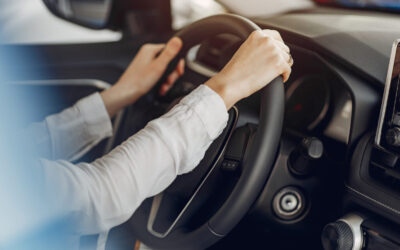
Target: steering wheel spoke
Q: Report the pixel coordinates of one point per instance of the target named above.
(216, 159)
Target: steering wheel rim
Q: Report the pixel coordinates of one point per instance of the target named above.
(262, 152)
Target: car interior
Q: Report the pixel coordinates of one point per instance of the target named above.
(309, 164)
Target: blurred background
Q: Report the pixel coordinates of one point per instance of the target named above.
(30, 22)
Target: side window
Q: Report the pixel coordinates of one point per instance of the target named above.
(185, 12)
(29, 22)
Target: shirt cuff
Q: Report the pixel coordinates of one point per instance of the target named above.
(210, 108)
(94, 112)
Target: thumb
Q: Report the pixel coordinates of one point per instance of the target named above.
(170, 51)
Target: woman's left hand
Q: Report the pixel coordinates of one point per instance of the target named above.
(143, 73)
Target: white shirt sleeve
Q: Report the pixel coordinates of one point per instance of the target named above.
(73, 132)
(106, 192)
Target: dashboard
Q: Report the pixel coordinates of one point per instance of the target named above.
(354, 48)
(333, 98)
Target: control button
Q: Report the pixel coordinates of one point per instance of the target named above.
(230, 165)
(313, 147)
(289, 203)
(304, 158)
(393, 136)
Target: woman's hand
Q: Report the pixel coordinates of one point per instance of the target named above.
(260, 59)
(143, 73)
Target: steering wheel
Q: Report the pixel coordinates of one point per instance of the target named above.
(256, 168)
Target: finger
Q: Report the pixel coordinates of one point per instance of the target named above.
(164, 89)
(286, 73)
(274, 34)
(291, 61)
(181, 67)
(172, 48)
(172, 78)
(286, 57)
(282, 46)
(166, 86)
(151, 49)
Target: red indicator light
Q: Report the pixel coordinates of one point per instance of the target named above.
(298, 107)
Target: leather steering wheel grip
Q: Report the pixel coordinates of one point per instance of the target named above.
(263, 149)
(205, 28)
(258, 164)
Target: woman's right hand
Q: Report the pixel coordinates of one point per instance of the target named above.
(259, 60)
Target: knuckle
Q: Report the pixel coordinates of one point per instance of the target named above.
(275, 54)
(255, 34)
(273, 33)
(145, 46)
(264, 41)
(280, 63)
(267, 40)
(276, 33)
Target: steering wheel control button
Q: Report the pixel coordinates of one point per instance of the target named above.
(230, 165)
(306, 156)
(289, 203)
(393, 136)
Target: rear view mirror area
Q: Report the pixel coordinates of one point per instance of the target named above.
(89, 13)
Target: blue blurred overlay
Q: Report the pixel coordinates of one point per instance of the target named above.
(26, 219)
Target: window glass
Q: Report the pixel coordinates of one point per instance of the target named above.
(29, 22)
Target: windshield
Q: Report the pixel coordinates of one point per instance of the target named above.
(393, 5)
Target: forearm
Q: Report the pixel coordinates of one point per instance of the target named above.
(145, 164)
(69, 134)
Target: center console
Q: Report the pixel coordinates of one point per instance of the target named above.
(373, 182)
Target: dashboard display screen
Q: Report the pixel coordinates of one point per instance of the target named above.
(388, 133)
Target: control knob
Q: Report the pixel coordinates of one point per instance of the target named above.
(304, 158)
(343, 234)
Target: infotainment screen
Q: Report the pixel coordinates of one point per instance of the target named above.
(388, 132)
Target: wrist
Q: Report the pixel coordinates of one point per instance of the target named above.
(127, 93)
(118, 97)
(222, 88)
